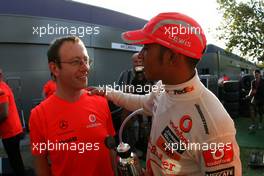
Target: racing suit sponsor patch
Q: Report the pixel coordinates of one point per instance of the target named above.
(171, 138)
(179, 133)
(186, 123)
(218, 156)
(168, 150)
(222, 172)
(202, 118)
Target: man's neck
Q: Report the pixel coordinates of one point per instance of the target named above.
(178, 79)
(68, 95)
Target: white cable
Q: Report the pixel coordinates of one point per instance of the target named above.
(138, 111)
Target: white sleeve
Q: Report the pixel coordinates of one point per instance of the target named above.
(222, 161)
(130, 101)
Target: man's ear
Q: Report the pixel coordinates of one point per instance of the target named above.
(54, 68)
(168, 57)
(177, 58)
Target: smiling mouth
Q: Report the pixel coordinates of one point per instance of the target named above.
(83, 78)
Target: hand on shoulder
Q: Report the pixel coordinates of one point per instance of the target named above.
(96, 91)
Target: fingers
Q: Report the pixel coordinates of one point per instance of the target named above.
(96, 91)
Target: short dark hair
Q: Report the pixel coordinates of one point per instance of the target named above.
(192, 62)
(53, 51)
(257, 71)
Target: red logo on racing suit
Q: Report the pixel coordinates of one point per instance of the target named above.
(162, 145)
(179, 133)
(161, 163)
(186, 123)
(218, 156)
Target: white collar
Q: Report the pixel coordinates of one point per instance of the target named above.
(187, 89)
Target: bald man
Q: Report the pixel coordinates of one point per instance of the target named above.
(127, 76)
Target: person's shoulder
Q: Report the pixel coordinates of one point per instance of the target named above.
(49, 83)
(48, 102)
(209, 99)
(5, 88)
(35, 114)
(212, 105)
(37, 117)
(96, 98)
(215, 114)
(38, 107)
(126, 72)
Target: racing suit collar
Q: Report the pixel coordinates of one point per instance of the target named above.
(189, 88)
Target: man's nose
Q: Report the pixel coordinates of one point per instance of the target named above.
(85, 66)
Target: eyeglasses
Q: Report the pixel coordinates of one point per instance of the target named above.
(78, 62)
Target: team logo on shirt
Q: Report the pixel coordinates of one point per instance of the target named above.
(92, 121)
(63, 124)
(92, 118)
(218, 156)
(186, 123)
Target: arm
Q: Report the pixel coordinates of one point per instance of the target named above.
(129, 101)
(3, 106)
(252, 91)
(220, 156)
(3, 111)
(37, 138)
(224, 160)
(42, 165)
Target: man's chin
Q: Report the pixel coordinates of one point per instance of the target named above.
(81, 86)
(83, 83)
(84, 86)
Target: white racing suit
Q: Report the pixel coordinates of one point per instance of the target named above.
(191, 133)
